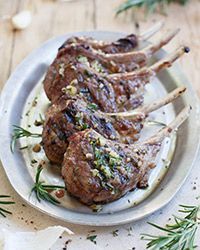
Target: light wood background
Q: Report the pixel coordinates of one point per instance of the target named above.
(54, 17)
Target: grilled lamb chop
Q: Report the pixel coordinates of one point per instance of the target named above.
(125, 44)
(98, 171)
(101, 62)
(112, 92)
(68, 117)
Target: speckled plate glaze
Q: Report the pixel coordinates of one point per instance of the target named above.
(173, 163)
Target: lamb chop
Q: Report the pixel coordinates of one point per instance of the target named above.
(112, 93)
(101, 62)
(97, 170)
(68, 117)
(125, 44)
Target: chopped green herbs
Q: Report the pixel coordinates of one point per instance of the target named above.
(19, 132)
(96, 208)
(92, 238)
(4, 201)
(115, 233)
(84, 60)
(42, 191)
(130, 230)
(34, 103)
(97, 66)
(179, 235)
(88, 73)
(22, 148)
(79, 121)
(92, 106)
(33, 161)
(105, 163)
(40, 121)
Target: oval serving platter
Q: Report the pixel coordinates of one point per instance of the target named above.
(175, 160)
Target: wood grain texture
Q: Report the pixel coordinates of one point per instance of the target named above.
(52, 18)
(7, 8)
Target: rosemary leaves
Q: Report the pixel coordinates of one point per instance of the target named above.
(4, 201)
(150, 5)
(179, 235)
(42, 191)
(19, 132)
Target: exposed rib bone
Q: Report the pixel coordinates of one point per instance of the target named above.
(152, 48)
(148, 108)
(168, 60)
(155, 68)
(151, 31)
(165, 132)
(99, 44)
(144, 54)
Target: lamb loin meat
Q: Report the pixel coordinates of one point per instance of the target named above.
(78, 116)
(75, 116)
(68, 117)
(125, 44)
(112, 92)
(98, 171)
(79, 79)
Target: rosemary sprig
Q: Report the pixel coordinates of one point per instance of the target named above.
(92, 238)
(179, 235)
(4, 211)
(42, 191)
(150, 5)
(19, 132)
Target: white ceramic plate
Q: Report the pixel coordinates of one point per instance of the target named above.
(16, 100)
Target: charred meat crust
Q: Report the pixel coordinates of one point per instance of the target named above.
(71, 116)
(125, 44)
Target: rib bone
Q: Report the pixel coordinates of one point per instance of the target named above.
(155, 68)
(167, 61)
(151, 31)
(146, 109)
(165, 132)
(124, 44)
(140, 57)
